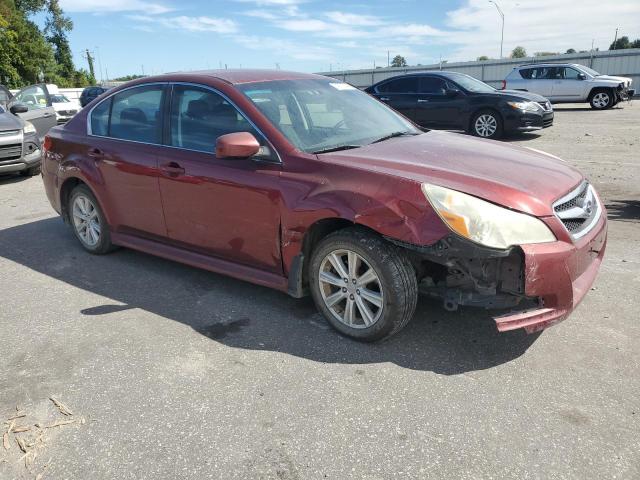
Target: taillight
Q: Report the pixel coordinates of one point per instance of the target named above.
(504, 84)
(46, 145)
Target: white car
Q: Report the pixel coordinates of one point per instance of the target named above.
(570, 82)
(65, 108)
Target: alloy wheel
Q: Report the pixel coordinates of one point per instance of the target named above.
(351, 289)
(601, 99)
(86, 220)
(486, 125)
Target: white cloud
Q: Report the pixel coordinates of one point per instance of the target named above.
(191, 24)
(543, 25)
(113, 6)
(296, 50)
(354, 19)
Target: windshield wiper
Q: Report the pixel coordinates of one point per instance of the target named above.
(336, 149)
(394, 135)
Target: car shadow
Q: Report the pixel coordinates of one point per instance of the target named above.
(520, 137)
(245, 316)
(6, 179)
(623, 210)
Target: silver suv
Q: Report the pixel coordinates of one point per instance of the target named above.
(19, 143)
(569, 82)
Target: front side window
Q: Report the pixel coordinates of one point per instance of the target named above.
(433, 85)
(400, 85)
(571, 73)
(136, 114)
(33, 97)
(318, 115)
(199, 116)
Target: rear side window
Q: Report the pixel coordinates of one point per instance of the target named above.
(100, 119)
(526, 73)
(136, 114)
(199, 116)
(400, 85)
(432, 85)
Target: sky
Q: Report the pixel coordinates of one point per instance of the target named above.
(157, 36)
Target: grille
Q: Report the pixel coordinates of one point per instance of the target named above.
(579, 210)
(10, 152)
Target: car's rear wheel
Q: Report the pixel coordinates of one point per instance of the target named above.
(364, 286)
(601, 99)
(88, 221)
(487, 124)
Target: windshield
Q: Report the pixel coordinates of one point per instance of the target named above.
(470, 84)
(588, 70)
(321, 115)
(59, 99)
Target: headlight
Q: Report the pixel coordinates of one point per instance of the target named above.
(28, 128)
(483, 222)
(527, 106)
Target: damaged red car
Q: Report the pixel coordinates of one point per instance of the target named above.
(307, 185)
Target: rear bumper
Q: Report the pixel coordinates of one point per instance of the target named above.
(559, 274)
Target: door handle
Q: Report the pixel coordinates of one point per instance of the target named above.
(384, 99)
(96, 153)
(172, 169)
(422, 100)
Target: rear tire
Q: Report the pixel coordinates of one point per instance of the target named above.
(31, 172)
(365, 287)
(88, 222)
(487, 124)
(601, 99)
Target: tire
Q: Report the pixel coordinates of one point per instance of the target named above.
(601, 99)
(31, 172)
(88, 214)
(486, 124)
(391, 291)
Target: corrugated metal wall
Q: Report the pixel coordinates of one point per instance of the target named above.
(616, 62)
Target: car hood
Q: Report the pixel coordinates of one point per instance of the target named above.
(9, 121)
(519, 94)
(519, 178)
(626, 80)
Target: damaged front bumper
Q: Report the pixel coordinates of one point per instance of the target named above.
(532, 286)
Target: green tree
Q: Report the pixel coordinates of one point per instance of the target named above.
(519, 52)
(482, 58)
(545, 54)
(398, 61)
(620, 44)
(56, 27)
(570, 50)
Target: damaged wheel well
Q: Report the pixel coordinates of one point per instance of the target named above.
(65, 191)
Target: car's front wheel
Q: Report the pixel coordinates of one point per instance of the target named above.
(487, 124)
(88, 221)
(601, 99)
(365, 287)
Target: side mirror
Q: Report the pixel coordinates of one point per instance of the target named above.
(237, 145)
(452, 93)
(18, 108)
(582, 76)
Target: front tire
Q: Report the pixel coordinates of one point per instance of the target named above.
(487, 124)
(365, 287)
(601, 99)
(88, 222)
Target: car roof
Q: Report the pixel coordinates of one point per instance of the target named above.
(237, 76)
(549, 64)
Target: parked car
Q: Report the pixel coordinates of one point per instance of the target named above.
(39, 112)
(5, 96)
(65, 108)
(570, 82)
(457, 101)
(306, 184)
(90, 93)
(19, 143)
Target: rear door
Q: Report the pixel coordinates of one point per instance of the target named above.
(124, 142)
(541, 80)
(40, 114)
(401, 94)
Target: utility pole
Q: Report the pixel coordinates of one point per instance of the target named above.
(99, 62)
(615, 39)
(502, 17)
(388, 59)
(90, 62)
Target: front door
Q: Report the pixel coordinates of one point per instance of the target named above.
(40, 114)
(569, 87)
(229, 208)
(434, 107)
